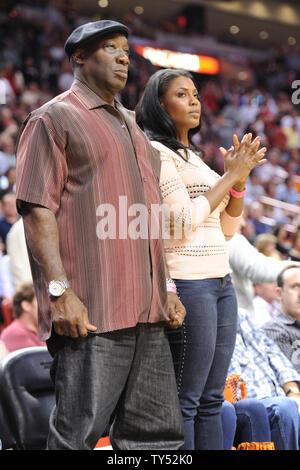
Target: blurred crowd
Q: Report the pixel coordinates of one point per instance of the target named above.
(34, 68)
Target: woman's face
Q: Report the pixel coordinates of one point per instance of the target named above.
(181, 103)
(297, 241)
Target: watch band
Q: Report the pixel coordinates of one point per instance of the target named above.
(64, 285)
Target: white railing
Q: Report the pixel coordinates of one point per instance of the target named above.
(291, 210)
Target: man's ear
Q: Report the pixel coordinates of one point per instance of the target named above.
(162, 104)
(278, 292)
(79, 56)
(25, 305)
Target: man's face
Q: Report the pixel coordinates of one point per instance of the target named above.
(105, 63)
(9, 205)
(289, 293)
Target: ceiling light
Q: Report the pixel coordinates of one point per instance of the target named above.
(139, 10)
(234, 29)
(103, 3)
(263, 35)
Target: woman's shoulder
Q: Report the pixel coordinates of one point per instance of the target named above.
(162, 147)
(167, 154)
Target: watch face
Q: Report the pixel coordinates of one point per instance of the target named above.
(55, 288)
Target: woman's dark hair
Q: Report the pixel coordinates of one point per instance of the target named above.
(152, 118)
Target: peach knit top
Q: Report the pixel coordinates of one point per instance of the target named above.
(195, 246)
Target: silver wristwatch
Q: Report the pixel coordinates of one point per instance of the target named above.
(57, 288)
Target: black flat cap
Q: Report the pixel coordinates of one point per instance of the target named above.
(89, 31)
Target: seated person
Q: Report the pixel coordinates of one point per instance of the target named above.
(10, 215)
(22, 332)
(284, 329)
(265, 303)
(269, 377)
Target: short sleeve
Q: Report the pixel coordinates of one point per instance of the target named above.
(41, 169)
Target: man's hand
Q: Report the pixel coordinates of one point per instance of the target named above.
(176, 310)
(70, 316)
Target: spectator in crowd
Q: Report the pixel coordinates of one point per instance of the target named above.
(10, 215)
(282, 243)
(272, 171)
(265, 243)
(275, 213)
(265, 302)
(61, 188)
(7, 288)
(255, 214)
(271, 378)
(8, 182)
(7, 154)
(248, 111)
(205, 209)
(9, 127)
(294, 252)
(286, 191)
(18, 257)
(284, 329)
(22, 332)
(254, 189)
(231, 114)
(250, 267)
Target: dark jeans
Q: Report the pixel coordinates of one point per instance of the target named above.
(273, 419)
(202, 350)
(128, 373)
(284, 421)
(245, 421)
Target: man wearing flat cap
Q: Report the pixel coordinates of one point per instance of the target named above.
(103, 300)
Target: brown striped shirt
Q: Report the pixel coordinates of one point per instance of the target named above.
(75, 154)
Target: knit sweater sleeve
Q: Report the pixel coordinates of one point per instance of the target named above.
(178, 206)
(229, 224)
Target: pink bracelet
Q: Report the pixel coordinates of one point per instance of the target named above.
(237, 194)
(171, 289)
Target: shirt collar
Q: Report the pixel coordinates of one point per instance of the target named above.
(90, 99)
(287, 319)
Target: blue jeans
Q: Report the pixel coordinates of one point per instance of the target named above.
(127, 374)
(284, 421)
(274, 419)
(202, 348)
(245, 421)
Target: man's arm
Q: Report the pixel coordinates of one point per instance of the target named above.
(291, 389)
(249, 263)
(70, 316)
